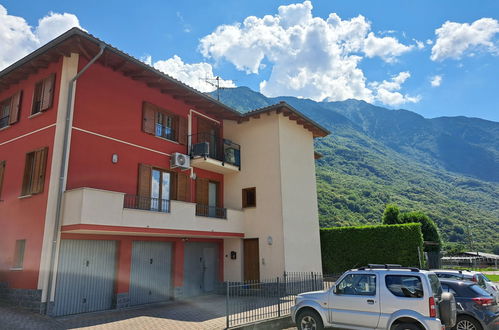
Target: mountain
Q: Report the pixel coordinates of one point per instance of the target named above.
(447, 167)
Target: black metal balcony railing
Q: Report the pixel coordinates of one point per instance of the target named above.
(209, 145)
(146, 203)
(165, 132)
(211, 211)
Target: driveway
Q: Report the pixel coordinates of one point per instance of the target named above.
(201, 313)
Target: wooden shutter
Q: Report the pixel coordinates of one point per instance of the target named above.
(148, 117)
(2, 171)
(15, 107)
(47, 96)
(144, 185)
(173, 185)
(183, 187)
(182, 130)
(38, 174)
(202, 191)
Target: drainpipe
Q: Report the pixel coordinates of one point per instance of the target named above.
(62, 173)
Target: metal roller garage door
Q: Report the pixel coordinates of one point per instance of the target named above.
(86, 273)
(200, 268)
(150, 279)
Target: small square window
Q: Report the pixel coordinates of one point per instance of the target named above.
(19, 254)
(249, 197)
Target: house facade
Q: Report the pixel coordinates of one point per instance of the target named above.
(121, 186)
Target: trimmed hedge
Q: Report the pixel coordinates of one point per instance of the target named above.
(349, 247)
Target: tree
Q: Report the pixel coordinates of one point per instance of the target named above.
(428, 227)
(391, 215)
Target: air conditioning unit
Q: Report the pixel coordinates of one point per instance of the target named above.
(200, 149)
(180, 160)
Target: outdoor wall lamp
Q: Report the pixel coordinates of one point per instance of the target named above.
(114, 158)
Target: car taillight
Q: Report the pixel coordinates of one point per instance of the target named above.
(484, 301)
(433, 307)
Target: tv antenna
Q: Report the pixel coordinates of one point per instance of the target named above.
(215, 82)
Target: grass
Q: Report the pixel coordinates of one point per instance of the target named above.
(493, 278)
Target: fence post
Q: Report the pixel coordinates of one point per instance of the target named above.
(227, 305)
(278, 298)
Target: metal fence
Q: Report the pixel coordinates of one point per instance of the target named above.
(146, 203)
(252, 301)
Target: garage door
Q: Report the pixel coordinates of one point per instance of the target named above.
(85, 276)
(200, 268)
(150, 279)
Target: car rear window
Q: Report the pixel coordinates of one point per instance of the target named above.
(408, 286)
(435, 285)
(478, 290)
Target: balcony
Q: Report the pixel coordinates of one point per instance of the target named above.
(215, 154)
(211, 211)
(89, 210)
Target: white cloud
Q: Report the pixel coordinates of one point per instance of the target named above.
(455, 40)
(18, 38)
(429, 42)
(194, 75)
(419, 44)
(436, 81)
(387, 92)
(309, 56)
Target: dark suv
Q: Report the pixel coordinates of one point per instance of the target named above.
(476, 308)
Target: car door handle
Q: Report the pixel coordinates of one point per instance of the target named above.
(370, 301)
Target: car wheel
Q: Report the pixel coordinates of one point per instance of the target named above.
(309, 320)
(467, 323)
(406, 326)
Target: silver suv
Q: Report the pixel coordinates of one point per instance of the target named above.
(378, 297)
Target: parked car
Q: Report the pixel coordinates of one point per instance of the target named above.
(476, 308)
(378, 296)
(468, 275)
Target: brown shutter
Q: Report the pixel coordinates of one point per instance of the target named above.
(202, 191)
(148, 117)
(183, 187)
(38, 175)
(2, 171)
(15, 107)
(182, 130)
(143, 200)
(173, 186)
(47, 92)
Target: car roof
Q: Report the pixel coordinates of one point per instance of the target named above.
(455, 271)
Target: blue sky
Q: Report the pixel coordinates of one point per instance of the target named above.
(320, 49)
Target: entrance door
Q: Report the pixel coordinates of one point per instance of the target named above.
(160, 190)
(85, 276)
(251, 260)
(150, 278)
(212, 199)
(200, 268)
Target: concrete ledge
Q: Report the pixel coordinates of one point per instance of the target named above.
(271, 324)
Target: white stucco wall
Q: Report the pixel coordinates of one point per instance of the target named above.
(302, 251)
(277, 157)
(260, 168)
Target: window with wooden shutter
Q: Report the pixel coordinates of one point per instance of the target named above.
(202, 191)
(249, 197)
(2, 173)
(183, 187)
(182, 130)
(15, 107)
(162, 123)
(144, 187)
(34, 172)
(43, 96)
(148, 117)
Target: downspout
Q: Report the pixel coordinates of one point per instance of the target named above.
(62, 174)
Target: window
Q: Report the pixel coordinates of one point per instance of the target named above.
(408, 286)
(9, 110)
(249, 197)
(34, 172)
(155, 183)
(19, 254)
(357, 284)
(159, 122)
(2, 171)
(43, 96)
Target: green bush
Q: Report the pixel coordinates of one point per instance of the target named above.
(349, 247)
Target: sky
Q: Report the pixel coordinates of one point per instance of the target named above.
(437, 58)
